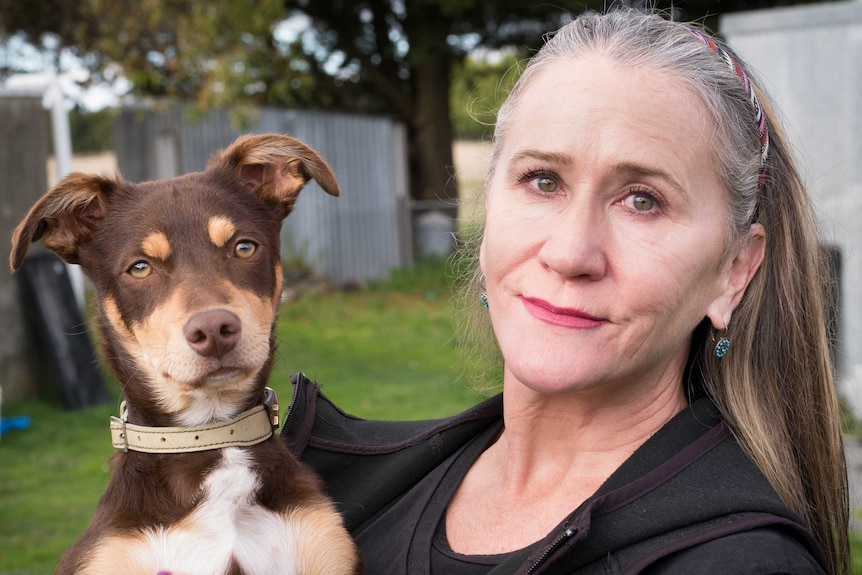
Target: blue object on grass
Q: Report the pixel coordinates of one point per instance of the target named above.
(10, 423)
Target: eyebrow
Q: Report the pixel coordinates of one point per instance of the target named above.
(631, 169)
(557, 158)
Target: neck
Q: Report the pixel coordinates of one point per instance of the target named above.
(583, 436)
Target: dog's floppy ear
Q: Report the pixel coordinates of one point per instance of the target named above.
(64, 217)
(275, 168)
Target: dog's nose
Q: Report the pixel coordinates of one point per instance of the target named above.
(213, 333)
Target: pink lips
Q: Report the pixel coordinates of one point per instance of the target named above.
(563, 317)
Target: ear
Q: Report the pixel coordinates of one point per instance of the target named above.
(275, 168)
(739, 273)
(64, 217)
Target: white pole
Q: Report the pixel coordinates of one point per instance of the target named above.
(63, 160)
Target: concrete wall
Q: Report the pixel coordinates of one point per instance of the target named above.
(23, 153)
(808, 59)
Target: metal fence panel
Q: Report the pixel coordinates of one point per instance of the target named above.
(360, 236)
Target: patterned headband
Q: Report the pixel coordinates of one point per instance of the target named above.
(755, 103)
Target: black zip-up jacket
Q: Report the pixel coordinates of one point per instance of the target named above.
(687, 501)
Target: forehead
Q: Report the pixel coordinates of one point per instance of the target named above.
(155, 217)
(596, 106)
(181, 202)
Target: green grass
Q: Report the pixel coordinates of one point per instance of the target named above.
(51, 476)
(379, 354)
(382, 352)
(856, 551)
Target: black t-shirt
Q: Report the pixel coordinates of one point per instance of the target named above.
(445, 560)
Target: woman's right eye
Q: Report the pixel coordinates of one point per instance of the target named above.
(545, 184)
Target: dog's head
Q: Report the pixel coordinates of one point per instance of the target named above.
(186, 271)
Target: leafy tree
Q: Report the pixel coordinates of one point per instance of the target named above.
(397, 56)
(480, 83)
(91, 131)
(382, 56)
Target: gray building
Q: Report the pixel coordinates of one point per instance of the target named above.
(808, 59)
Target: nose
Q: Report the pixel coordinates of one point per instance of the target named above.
(576, 243)
(213, 333)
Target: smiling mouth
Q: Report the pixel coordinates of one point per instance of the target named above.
(563, 317)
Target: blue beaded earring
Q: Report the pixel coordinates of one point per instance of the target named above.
(722, 347)
(484, 298)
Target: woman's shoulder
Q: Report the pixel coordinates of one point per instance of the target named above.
(313, 421)
(365, 464)
(691, 501)
(763, 551)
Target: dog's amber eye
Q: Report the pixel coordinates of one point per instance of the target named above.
(244, 249)
(140, 269)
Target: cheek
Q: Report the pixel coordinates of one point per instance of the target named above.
(114, 320)
(507, 243)
(495, 261)
(673, 288)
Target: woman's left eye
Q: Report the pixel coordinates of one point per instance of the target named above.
(642, 201)
(244, 249)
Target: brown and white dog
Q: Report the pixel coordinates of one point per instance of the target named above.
(187, 278)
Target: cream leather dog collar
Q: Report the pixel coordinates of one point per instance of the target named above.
(248, 428)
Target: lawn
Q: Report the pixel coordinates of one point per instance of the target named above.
(382, 352)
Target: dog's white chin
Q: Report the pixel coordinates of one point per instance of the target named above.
(224, 376)
(207, 406)
(217, 396)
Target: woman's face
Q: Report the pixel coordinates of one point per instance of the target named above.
(606, 230)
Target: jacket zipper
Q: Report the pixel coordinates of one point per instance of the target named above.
(561, 538)
(289, 422)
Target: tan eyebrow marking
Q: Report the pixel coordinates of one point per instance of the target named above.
(156, 245)
(220, 229)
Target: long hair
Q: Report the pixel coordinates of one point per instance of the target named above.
(775, 387)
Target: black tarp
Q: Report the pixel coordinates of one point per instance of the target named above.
(60, 330)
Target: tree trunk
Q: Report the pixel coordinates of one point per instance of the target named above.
(430, 127)
(431, 133)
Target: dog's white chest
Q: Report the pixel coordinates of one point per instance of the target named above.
(226, 525)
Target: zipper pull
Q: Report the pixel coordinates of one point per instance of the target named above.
(567, 534)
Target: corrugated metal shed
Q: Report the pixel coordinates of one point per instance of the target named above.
(360, 236)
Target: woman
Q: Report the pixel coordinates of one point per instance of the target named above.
(651, 271)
